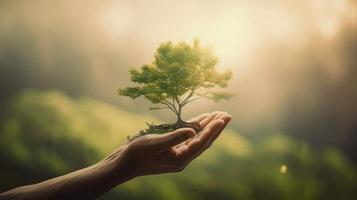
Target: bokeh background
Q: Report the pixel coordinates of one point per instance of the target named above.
(294, 127)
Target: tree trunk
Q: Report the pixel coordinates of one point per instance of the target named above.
(182, 124)
(179, 122)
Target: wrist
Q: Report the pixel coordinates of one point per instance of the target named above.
(120, 168)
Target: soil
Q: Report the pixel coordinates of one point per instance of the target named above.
(164, 128)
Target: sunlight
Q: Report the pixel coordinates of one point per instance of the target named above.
(116, 20)
(231, 38)
(231, 43)
(283, 169)
(79, 77)
(329, 16)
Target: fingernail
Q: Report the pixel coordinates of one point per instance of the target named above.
(221, 123)
(229, 116)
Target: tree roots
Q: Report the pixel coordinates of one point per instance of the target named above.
(165, 128)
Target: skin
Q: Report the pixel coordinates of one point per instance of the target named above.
(146, 155)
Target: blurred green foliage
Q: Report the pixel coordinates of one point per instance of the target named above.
(46, 133)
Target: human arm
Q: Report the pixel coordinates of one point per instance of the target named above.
(149, 154)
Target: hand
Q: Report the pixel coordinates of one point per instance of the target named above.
(171, 152)
(149, 154)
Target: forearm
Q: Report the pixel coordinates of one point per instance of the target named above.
(87, 183)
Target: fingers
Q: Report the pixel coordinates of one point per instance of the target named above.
(199, 118)
(165, 141)
(199, 143)
(206, 137)
(204, 118)
(210, 130)
(209, 118)
(226, 118)
(215, 115)
(222, 116)
(180, 156)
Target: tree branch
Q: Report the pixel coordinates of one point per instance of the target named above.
(194, 99)
(178, 102)
(173, 102)
(164, 100)
(168, 106)
(188, 96)
(158, 108)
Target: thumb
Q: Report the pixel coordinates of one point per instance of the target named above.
(174, 138)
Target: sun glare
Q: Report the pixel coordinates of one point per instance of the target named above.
(116, 20)
(235, 33)
(230, 39)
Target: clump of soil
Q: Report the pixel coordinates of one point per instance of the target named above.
(164, 128)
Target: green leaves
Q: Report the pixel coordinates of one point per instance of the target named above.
(132, 92)
(217, 96)
(178, 75)
(148, 74)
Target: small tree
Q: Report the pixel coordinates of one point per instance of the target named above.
(179, 74)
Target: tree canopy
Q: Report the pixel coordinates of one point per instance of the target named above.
(179, 74)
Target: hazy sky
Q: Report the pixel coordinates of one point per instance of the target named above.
(233, 28)
(271, 45)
